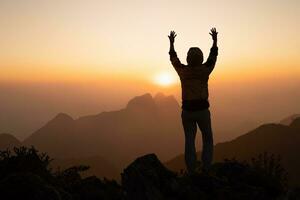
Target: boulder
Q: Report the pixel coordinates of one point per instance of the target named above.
(148, 179)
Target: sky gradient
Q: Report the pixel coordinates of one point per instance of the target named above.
(87, 40)
(86, 56)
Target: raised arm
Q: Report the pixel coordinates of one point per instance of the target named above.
(212, 58)
(173, 55)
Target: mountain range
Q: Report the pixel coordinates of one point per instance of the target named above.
(147, 124)
(108, 141)
(278, 139)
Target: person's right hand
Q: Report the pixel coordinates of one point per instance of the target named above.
(172, 36)
(214, 34)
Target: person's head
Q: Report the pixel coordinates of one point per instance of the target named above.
(194, 56)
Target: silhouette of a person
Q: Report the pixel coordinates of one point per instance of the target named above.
(195, 105)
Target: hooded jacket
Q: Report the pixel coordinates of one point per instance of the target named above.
(194, 80)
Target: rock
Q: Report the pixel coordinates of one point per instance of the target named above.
(146, 178)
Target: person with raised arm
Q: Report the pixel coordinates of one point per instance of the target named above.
(195, 105)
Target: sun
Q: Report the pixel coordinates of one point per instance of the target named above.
(165, 79)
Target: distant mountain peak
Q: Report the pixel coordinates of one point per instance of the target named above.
(163, 100)
(63, 117)
(159, 95)
(144, 101)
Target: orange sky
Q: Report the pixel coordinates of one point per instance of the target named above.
(85, 56)
(55, 40)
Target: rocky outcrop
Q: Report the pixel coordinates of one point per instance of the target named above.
(146, 178)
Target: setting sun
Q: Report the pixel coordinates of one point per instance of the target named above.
(165, 79)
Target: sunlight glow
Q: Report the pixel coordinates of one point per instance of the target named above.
(164, 79)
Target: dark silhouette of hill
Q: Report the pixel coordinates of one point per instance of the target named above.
(26, 174)
(8, 141)
(146, 124)
(288, 120)
(277, 139)
(100, 166)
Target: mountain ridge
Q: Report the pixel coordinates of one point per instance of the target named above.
(145, 125)
(273, 138)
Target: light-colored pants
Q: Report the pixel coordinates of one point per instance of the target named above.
(190, 119)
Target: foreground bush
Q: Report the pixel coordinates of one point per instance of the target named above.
(25, 174)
